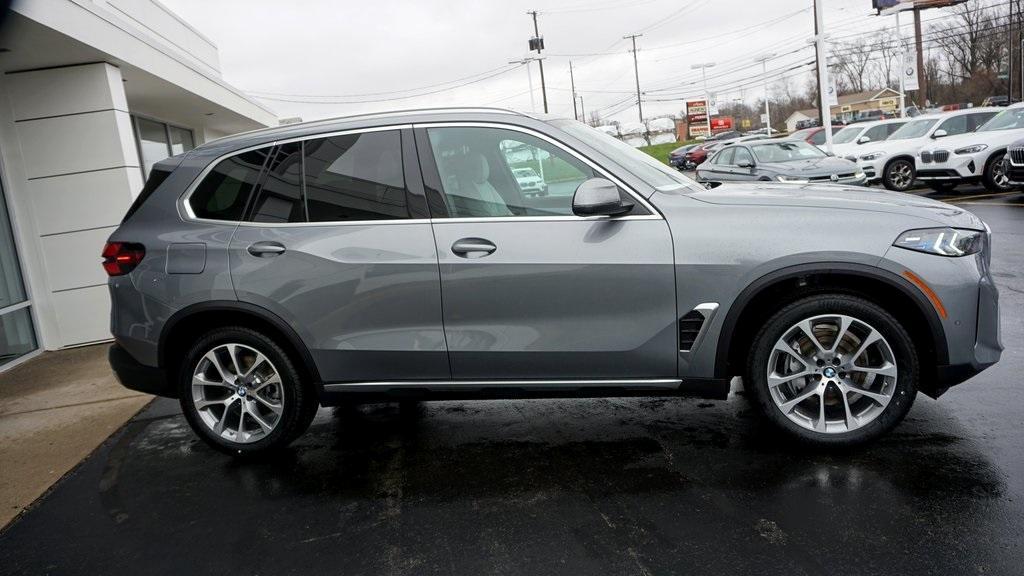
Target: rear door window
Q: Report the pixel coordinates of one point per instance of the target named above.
(355, 177)
(224, 192)
(280, 198)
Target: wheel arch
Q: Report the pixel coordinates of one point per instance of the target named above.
(182, 329)
(765, 295)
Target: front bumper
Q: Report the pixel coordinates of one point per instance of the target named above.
(956, 167)
(1015, 172)
(137, 376)
(872, 170)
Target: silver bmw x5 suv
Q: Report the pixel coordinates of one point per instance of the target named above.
(396, 256)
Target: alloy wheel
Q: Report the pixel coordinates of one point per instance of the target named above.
(901, 175)
(832, 373)
(999, 176)
(238, 393)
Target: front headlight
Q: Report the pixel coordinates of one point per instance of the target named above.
(942, 241)
(970, 149)
(872, 156)
(791, 179)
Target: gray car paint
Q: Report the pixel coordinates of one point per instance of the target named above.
(554, 300)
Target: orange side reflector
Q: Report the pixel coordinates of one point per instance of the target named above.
(920, 283)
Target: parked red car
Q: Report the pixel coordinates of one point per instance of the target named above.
(699, 154)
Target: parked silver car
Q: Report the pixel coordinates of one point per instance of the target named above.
(781, 160)
(387, 256)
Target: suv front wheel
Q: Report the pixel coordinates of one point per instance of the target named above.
(899, 175)
(241, 393)
(833, 369)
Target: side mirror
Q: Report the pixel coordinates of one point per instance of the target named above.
(939, 133)
(744, 164)
(598, 197)
(863, 140)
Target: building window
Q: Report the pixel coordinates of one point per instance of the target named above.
(158, 140)
(17, 335)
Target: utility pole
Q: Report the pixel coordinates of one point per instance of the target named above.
(922, 78)
(572, 84)
(763, 59)
(583, 111)
(537, 43)
(823, 83)
(636, 72)
(903, 63)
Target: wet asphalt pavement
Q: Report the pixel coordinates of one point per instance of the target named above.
(607, 486)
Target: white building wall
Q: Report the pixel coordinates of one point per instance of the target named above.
(79, 173)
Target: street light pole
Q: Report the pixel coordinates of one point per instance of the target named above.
(707, 97)
(529, 79)
(636, 72)
(764, 69)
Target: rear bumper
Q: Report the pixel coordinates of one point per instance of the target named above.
(137, 376)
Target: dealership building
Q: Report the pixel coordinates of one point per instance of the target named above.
(92, 93)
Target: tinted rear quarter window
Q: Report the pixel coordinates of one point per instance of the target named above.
(156, 178)
(224, 192)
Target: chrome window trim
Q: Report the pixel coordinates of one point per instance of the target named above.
(186, 213)
(654, 213)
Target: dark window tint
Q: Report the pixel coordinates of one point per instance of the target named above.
(156, 178)
(280, 196)
(976, 120)
(819, 138)
(225, 190)
(890, 128)
(355, 177)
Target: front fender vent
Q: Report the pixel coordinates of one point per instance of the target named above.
(693, 324)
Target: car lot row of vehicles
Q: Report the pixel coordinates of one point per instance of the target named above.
(941, 150)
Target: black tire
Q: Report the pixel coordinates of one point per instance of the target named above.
(904, 353)
(299, 403)
(894, 177)
(994, 178)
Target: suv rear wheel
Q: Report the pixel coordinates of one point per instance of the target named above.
(899, 175)
(833, 369)
(241, 393)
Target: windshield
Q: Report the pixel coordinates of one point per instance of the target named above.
(914, 129)
(847, 135)
(786, 151)
(636, 162)
(1005, 120)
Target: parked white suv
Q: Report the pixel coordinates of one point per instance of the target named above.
(893, 161)
(973, 156)
(848, 142)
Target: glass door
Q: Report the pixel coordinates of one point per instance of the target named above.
(17, 334)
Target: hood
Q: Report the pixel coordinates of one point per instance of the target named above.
(811, 167)
(994, 139)
(837, 197)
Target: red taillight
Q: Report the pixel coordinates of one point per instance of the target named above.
(120, 258)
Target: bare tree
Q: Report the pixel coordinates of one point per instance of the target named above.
(851, 60)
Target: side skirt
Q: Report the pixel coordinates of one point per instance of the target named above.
(342, 392)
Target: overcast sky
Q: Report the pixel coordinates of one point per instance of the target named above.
(347, 49)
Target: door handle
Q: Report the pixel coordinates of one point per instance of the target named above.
(473, 247)
(266, 249)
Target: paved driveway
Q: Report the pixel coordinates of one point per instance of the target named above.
(610, 486)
